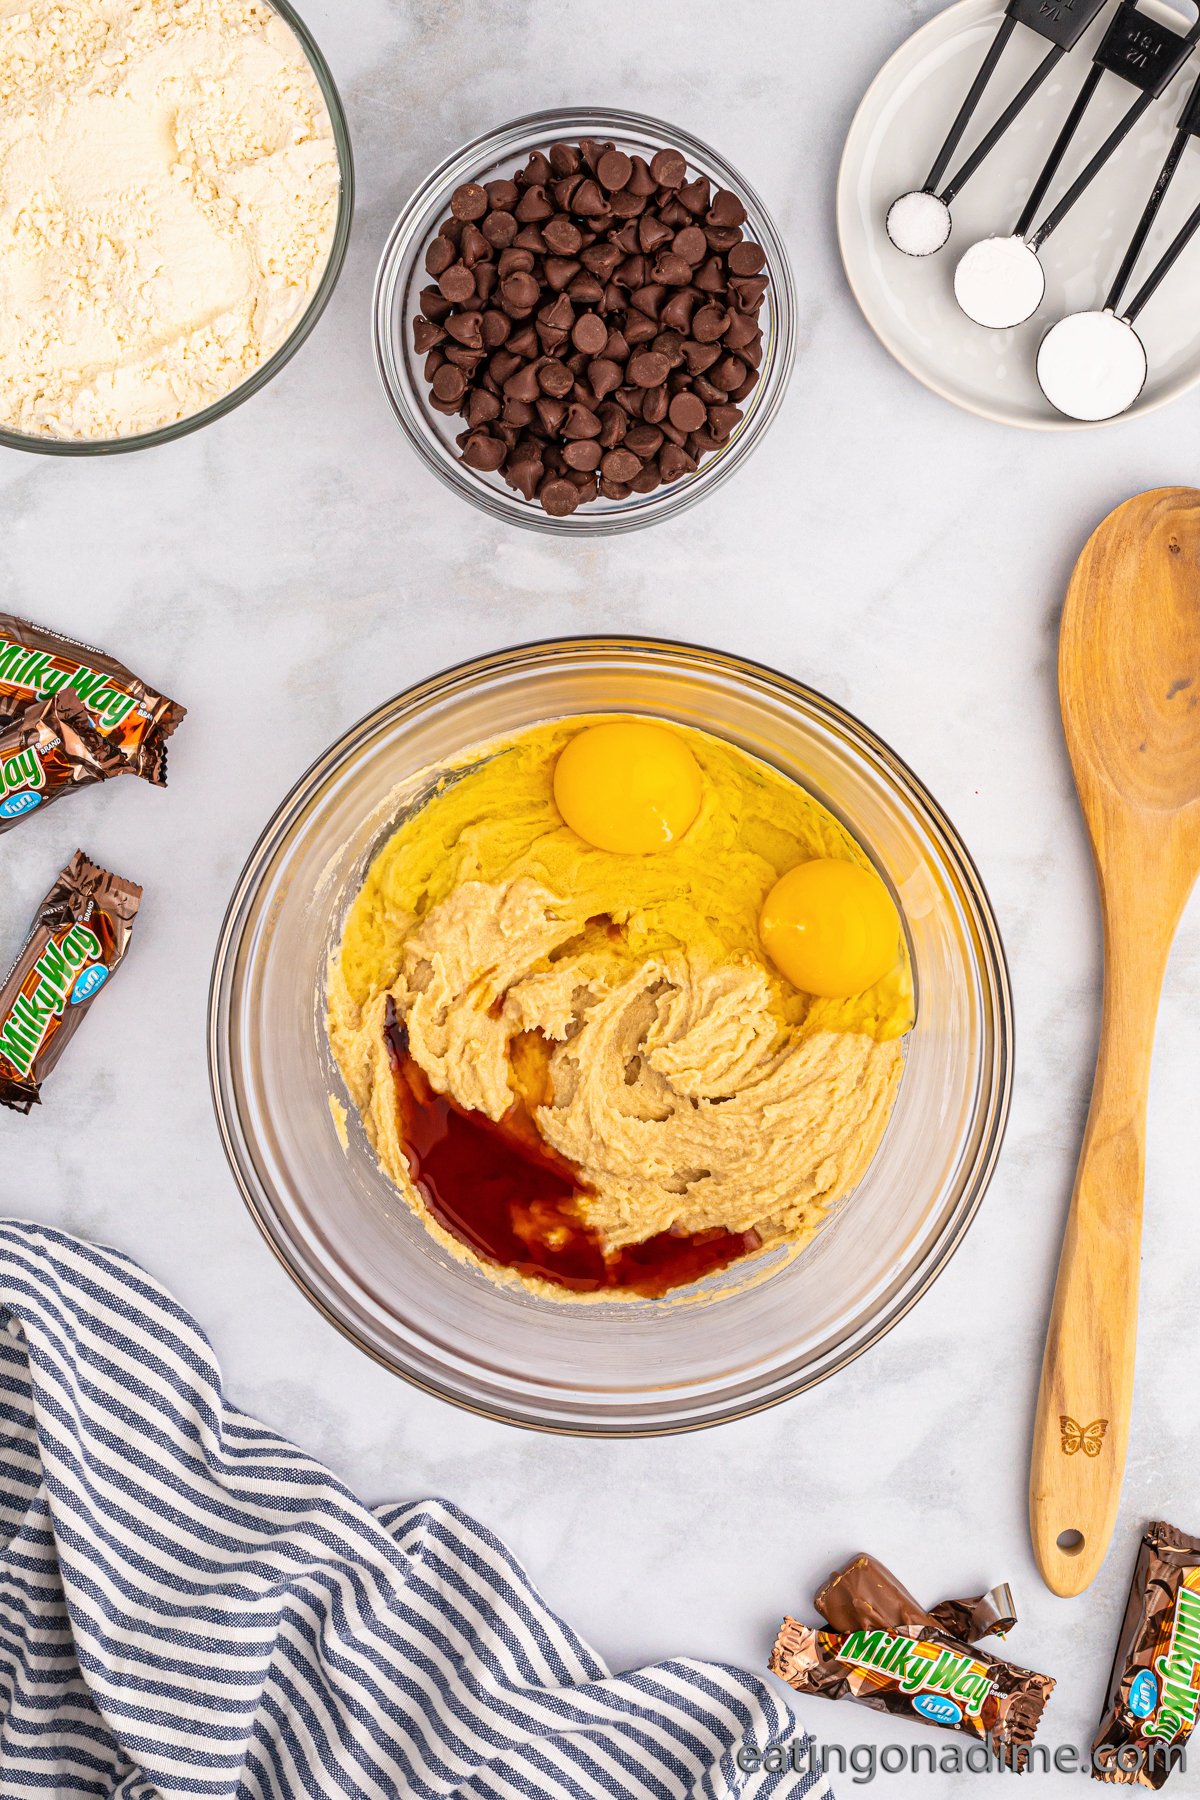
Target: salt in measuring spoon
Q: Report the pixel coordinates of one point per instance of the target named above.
(1000, 282)
(1093, 365)
(919, 222)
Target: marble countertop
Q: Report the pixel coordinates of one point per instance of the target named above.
(290, 567)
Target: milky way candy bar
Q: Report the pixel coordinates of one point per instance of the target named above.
(887, 1651)
(1154, 1688)
(36, 663)
(865, 1593)
(76, 944)
(52, 749)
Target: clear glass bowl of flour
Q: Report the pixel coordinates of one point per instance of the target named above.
(48, 445)
(627, 1368)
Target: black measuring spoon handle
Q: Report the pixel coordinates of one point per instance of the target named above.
(1085, 178)
(1163, 267)
(966, 112)
(1007, 119)
(1062, 144)
(1153, 207)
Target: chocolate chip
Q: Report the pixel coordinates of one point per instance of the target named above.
(728, 373)
(534, 205)
(469, 201)
(744, 259)
(559, 497)
(688, 412)
(589, 333)
(644, 440)
(580, 422)
(695, 195)
(709, 324)
(649, 368)
(641, 181)
(620, 465)
(519, 293)
(674, 463)
(500, 229)
(584, 453)
(648, 480)
(654, 405)
(564, 159)
(467, 329)
(691, 244)
(588, 201)
(449, 384)
(726, 209)
(614, 169)
(441, 253)
(457, 284)
(426, 334)
(562, 236)
(668, 168)
(484, 452)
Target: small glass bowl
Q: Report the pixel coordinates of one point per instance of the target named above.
(146, 440)
(402, 276)
(625, 1368)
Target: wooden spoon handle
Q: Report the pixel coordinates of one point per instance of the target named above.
(1086, 1395)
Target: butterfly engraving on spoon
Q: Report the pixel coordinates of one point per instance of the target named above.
(1088, 1438)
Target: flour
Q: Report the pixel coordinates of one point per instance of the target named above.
(169, 189)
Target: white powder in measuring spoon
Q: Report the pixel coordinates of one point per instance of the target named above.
(1000, 283)
(1092, 366)
(918, 223)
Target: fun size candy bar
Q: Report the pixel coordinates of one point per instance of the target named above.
(76, 944)
(36, 664)
(1154, 1688)
(54, 748)
(888, 1652)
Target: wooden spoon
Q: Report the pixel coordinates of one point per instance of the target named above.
(1129, 681)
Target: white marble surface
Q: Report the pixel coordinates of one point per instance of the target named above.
(287, 569)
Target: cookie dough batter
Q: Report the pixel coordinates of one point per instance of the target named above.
(684, 1080)
(169, 189)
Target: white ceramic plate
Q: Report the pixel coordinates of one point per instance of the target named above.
(910, 303)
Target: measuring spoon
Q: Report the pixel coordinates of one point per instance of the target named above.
(919, 222)
(1000, 282)
(1093, 365)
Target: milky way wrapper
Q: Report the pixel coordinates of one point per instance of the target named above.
(36, 664)
(53, 749)
(1154, 1688)
(927, 1676)
(76, 943)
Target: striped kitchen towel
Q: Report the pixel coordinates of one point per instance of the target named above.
(191, 1606)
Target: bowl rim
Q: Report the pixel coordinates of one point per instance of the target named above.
(330, 275)
(993, 1105)
(401, 243)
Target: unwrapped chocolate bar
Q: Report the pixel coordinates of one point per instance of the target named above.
(37, 664)
(76, 943)
(54, 748)
(888, 1652)
(1154, 1688)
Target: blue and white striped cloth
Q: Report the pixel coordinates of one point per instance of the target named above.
(191, 1606)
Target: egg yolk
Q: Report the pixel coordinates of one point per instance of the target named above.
(631, 787)
(832, 928)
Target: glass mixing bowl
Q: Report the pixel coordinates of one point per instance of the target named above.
(402, 276)
(146, 440)
(625, 1368)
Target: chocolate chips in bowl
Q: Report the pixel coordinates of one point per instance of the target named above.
(585, 321)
